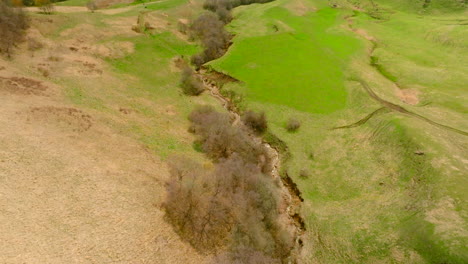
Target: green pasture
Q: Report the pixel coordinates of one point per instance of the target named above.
(300, 66)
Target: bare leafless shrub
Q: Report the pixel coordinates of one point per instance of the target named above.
(214, 38)
(197, 60)
(195, 206)
(220, 139)
(304, 174)
(92, 6)
(13, 24)
(233, 205)
(190, 83)
(182, 27)
(256, 121)
(293, 125)
(46, 6)
(224, 15)
(214, 5)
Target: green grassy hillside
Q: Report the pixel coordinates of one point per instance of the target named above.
(392, 189)
(296, 62)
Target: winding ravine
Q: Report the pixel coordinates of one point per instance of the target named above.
(290, 194)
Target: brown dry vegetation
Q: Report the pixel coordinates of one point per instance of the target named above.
(256, 121)
(74, 186)
(232, 209)
(220, 139)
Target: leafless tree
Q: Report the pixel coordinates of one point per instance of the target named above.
(13, 25)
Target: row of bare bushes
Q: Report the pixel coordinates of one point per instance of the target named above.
(232, 209)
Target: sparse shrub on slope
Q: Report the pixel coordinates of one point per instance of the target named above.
(256, 121)
(13, 24)
(190, 83)
(46, 6)
(293, 125)
(91, 5)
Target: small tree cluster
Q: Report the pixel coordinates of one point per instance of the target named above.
(190, 83)
(256, 121)
(13, 25)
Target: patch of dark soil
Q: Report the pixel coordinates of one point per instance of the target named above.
(64, 117)
(22, 86)
(292, 187)
(218, 77)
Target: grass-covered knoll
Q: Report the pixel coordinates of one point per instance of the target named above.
(295, 62)
(391, 190)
